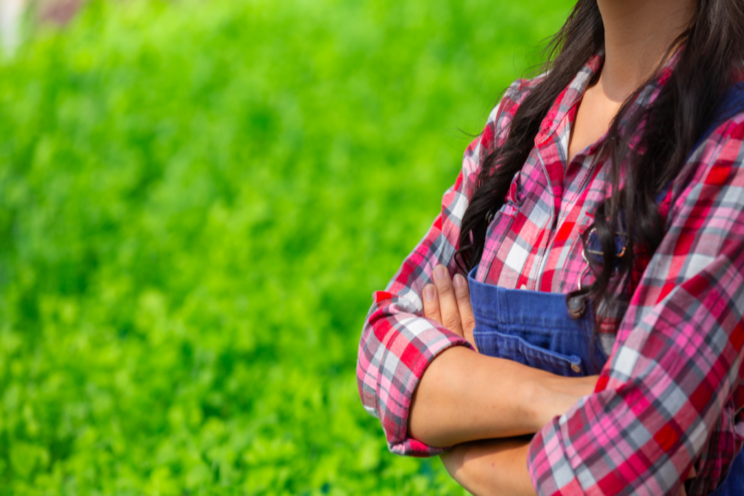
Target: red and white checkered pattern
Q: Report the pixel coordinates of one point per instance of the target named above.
(669, 394)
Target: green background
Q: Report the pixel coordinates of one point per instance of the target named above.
(197, 200)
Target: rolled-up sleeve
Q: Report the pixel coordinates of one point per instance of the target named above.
(664, 400)
(398, 343)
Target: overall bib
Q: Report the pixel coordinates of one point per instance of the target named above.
(535, 328)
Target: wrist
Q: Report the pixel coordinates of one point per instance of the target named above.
(496, 466)
(537, 398)
(548, 396)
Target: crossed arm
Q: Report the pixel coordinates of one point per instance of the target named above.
(454, 402)
(491, 440)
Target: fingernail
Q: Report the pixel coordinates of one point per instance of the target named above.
(440, 272)
(429, 292)
(459, 281)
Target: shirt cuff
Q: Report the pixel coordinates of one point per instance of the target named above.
(404, 363)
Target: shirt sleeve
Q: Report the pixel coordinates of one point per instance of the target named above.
(398, 343)
(678, 354)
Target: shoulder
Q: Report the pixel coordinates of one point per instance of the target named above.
(499, 120)
(515, 95)
(722, 143)
(726, 130)
(503, 114)
(714, 172)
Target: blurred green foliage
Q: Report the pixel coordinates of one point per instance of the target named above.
(197, 200)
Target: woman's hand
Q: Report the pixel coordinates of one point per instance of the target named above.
(447, 301)
(464, 396)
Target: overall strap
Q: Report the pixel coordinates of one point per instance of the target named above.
(732, 104)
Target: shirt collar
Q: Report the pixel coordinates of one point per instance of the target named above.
(574, 92)
(569, 97)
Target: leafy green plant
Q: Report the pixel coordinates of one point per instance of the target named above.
(196, 201)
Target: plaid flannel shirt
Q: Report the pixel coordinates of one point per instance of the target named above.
(670, 394)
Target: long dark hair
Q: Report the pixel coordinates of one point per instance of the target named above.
(712, 52)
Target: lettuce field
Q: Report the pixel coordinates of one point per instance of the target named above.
(197, 200)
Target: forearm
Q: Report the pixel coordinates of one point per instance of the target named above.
(464, 396)
(493, 467)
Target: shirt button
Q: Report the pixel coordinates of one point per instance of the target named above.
(575, 368)
(523, 286)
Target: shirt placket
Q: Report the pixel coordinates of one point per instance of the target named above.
(551, 165)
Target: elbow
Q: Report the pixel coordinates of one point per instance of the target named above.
(367, 384)
(369, 363)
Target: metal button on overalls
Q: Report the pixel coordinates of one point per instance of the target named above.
(534, 328)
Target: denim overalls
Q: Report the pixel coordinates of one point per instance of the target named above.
(536, 329)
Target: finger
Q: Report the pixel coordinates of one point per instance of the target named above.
(447, 300)
(462, 294)
(431, 303)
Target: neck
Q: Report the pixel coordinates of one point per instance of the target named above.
(638, 34)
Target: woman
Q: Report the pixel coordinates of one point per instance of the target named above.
(613, 185)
